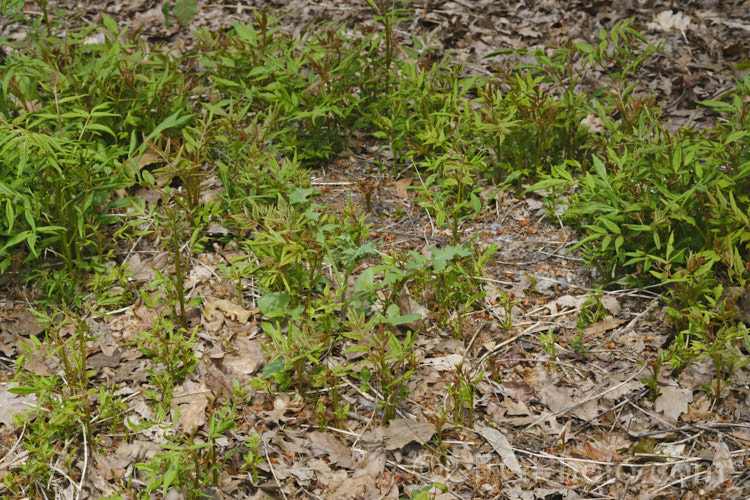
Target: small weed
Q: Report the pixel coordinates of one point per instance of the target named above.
(253, 457)
(495, 368)
(507, 304)
(462, 391)
(173, 229)
(111, 288)
(548, 341)
(183, 11)
(190, 461)
(450, 190)
(333, 406)
(68, 410)
(652, 382)
(578, 345)
(591, 310)
(392, 360)
(171, 348)
(714, 334)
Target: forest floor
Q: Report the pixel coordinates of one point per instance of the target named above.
(548, 419)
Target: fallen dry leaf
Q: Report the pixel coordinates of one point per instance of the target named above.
(444, 363)
(602, 326)
(673, 402)
(192, 399)
(668, 20)
(230, 310)
(12, 404)
(722, 467)
(401, 186)
(401, 431)
(325, 443)
(502, 447)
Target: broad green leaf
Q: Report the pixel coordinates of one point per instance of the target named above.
(395, 318)
(440, 258)
(545, 184)
(246, 32)
(600, 168)
(170, 476)
(274, 304)
(23, 389)
(476, 203)
(365, 282)
(166, 8)
(185, 11)
(613, 227)
(172, 121)
(109, 23)
(618, 243)
(300, 195)
(717, 105)
(273, 367)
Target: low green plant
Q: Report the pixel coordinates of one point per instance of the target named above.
(462, 390)
(64, 424)
(688, 284)
(306, 116)
(543, 115)
(58, 198)
(331, 408)
(450, 190)
(388, 363)
(415, 117)
(183, 11)
(175, 232)
(296, 347)
(69, 113)
(171, 348)
(14, 11)
(388, 15)
(253, 457)
(289, 257)
(507, 304)
(654, 201)
(591, 310)
(702, 310)
(652, 381)
(452, 277)
(189, 461)
(253, 181)
(421, 493)
(295, 253)
(712, 332)
(578, 344)
(548, 341)
(236, 272)
(111, 288)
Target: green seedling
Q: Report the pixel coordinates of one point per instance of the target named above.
(254, 456)
(462, 391)
(578, 345)
(68, 410)
(591, 310)
(548, 341)
(191, 462)
(507, 304)
(392, 360)
(652, 382)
